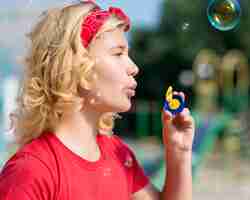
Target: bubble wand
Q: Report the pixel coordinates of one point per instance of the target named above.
(174, 103)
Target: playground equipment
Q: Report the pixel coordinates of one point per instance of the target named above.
(234, 81)
(216, 78)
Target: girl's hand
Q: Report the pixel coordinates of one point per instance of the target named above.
(178, 132)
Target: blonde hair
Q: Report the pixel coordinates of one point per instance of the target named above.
(52, 77)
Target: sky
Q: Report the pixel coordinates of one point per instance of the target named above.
(141, 12)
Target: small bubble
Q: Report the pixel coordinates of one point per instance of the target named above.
(185, 26)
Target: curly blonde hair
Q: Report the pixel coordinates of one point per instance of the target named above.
(56, 66)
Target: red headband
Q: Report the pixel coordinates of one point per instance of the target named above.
(97, 17)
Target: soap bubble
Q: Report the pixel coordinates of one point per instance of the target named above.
(224, 15)
(185, 26)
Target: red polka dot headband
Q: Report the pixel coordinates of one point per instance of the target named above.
(96, 18)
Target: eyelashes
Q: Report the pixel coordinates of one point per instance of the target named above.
(118, 54)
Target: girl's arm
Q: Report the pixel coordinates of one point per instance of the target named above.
(178, 134)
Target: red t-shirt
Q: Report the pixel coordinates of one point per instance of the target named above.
(46, 169)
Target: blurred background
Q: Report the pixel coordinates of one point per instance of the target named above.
(199, 47)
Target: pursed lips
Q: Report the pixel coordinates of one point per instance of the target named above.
(131, 90)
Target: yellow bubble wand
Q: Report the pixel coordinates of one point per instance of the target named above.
(173, 103)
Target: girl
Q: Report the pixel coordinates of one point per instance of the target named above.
(78, 78)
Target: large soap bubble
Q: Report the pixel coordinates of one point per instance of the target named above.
(224, 15)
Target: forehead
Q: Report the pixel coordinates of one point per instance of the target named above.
(112, 38)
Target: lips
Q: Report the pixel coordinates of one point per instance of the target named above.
(133, 86)
(130, 92)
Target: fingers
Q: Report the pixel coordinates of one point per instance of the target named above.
(185, 116)
(166, 115)
(185, 112)
(179, 93)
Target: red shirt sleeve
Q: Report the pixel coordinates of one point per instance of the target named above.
(26, 177)
(139, 179)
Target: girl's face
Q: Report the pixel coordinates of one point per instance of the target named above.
(115, 83)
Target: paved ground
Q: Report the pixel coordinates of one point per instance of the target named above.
(223, 177)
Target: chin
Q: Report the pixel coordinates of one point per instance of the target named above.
(118, 106)
(127, 106)
(124, 107)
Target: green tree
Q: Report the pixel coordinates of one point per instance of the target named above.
(183, 30)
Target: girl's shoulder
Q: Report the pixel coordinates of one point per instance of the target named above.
(33, 157)
(27, 171)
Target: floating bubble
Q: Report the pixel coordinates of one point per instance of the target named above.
(224, 15)
(185, 26)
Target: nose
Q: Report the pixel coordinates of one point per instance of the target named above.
(133, 69)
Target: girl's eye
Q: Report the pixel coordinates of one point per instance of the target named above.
(118, 54)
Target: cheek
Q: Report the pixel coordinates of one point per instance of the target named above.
(111, 72)
(110, 86)
(113, 82)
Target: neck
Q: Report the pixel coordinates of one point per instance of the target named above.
(78, 131)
